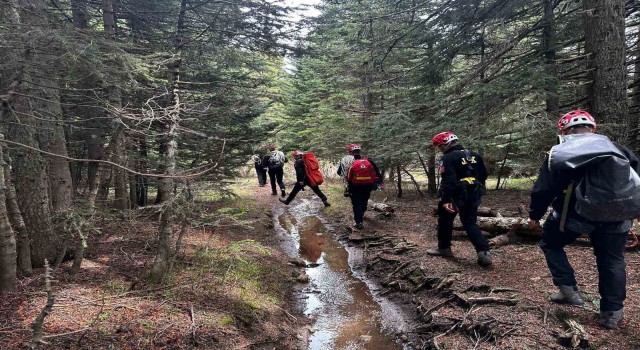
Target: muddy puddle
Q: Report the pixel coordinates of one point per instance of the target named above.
(344, 305)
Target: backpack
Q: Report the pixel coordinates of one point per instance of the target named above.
(312, 169)
(362, 172)
(275, 161)
(609, 190)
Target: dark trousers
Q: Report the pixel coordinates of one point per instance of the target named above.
(262, 175)
(609, 251)
(276, 175)
(468, 210)
(298, 187)
(359, 195)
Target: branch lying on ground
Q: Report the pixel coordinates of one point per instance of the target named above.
(38, 323)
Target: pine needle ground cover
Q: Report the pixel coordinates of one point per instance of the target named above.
(229, 288)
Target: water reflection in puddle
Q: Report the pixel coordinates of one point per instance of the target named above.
(347, 315)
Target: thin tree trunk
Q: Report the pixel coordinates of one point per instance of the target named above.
(17, 223)
(431, 174)
(549, 44)
(8, 257)
(504, 161)
(603, 23)
(399, 180)
(166, 185)
(142, 185)
(121, 193)
(413, 179)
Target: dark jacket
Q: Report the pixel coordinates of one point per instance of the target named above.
(454, 167)
(550, 187)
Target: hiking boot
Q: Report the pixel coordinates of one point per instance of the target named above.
(484, 258)
(567, 295)
(358, 225)
(446, 252)
(283, 193)
(274, 193)
(326, 203)
(283, 201)
(610, 319)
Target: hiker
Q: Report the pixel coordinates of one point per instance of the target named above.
(275, 164)
(463, 175)
(303, 178)
(261, 169)
(343, 170)
(563, 188)
(362, 177)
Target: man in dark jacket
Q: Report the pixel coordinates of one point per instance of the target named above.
(564, 225)
(301, 181)
(261, 169)
(463, 175)
(359, 187)
(275, 164)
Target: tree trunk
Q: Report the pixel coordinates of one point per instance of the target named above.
(603, 23)
(635, 101)
(17, 223)
(31, 181)
(399, 180)
(108, 17)
(121, 193)
(80, 14)
(51, 139)
(549, 45)
(431, 174)
(165, 185)
(9, 14)
(8, 257)
(142, 185)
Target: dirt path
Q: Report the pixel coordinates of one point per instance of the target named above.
(440, 289)
(233, 286)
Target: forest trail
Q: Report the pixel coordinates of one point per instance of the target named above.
(345, 312)
(460, 305)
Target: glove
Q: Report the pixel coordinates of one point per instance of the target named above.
(450, 208)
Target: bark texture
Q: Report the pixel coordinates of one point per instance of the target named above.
(603, 22)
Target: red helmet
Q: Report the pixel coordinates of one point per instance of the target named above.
(443, 138)
(577, 117)
(297, 153)
(353, 147)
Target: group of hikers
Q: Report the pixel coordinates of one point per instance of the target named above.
(591, 183)
(360, 175)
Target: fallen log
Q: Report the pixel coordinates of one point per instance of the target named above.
(381, 207)
(509, 224)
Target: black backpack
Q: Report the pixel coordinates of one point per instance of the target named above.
(609, 190)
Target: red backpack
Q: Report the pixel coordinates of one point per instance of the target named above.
(312, 169)
(362, 172)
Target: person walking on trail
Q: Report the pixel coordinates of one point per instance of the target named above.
(302, 179)
(463, 175)
(362, 176)
(343, 170)
(261, 169)
(275, 164)
(563, 188)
